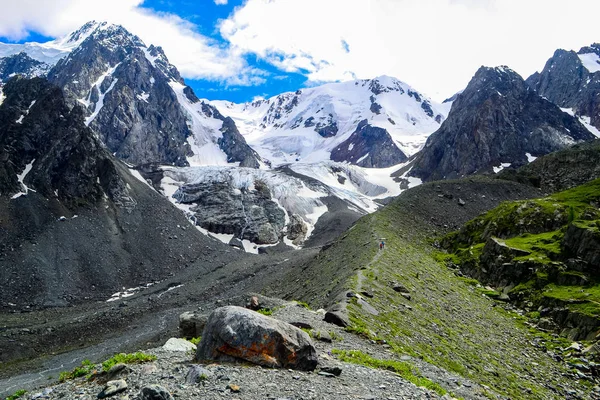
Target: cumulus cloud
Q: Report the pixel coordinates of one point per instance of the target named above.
(220, 2)
(434, 45)
(196, 56)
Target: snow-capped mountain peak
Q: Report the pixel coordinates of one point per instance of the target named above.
(309, 123)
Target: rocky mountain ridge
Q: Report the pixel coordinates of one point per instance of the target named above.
(75, 223)
(572, 80)
(496, 122)
(307, 125)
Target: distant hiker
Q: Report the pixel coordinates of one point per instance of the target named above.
(381, 245)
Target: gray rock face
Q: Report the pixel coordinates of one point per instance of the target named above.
(111, 230)
(21, 64)
(297, 229)
(370, 147)
(566, 82)
(235, 333)
(496, 119)
(191, 324)
(560, 170)
(232, 142)
(129, 94)
(66, 161)
(125, 88)
(244, 213)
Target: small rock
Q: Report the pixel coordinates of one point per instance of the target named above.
(398, 287)
(176, 344)
(155, 392)
(301, 325)
(112, 388)
(148, 369)
(405, 295)
(367, 294)
(337, 315)
(117, 370)
(234, 388)
(337, 371)
(197, 374)
(327, 374)
(461, 202)
(324, 336)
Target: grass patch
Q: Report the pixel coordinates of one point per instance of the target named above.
(122, 358)
(265, 311)
(403, 369)
(17, 394)
(195, 340)
(84, 369)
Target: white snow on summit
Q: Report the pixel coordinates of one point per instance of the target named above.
(52, 51)
(591, 61)
(283, 129)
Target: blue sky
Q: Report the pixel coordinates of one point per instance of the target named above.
(205, 15)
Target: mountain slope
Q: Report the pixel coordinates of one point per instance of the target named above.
(572, 80)
(75, 223)
(441, 318)
(21, 64)
(495, 122)
(308, 124)
(139, 104)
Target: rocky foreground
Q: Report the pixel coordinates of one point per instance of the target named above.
(176, 373)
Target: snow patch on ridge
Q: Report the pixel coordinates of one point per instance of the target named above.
(206, 132)
(501, 167)
(585, 121)
(591, 61)
(21, 178)
(98, 84)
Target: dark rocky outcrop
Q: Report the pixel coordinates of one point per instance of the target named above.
(496, 119)
(235, 333)
(75, 224)
(247, 214)
(21, 64)
(566, 82)
(560, 170)
(370, 147)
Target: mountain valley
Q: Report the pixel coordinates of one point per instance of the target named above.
(448, 250)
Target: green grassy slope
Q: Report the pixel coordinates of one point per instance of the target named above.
(548, 257)
(448, 321)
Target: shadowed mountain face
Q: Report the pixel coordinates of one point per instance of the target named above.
(497, 121)
(369, 146)
(75, 224)
(572, 80)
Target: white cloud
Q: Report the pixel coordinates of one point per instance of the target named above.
(195, 55)
(220, 2)
(434, 45)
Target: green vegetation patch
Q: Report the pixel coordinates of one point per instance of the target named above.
(122, 358)
(195, 340)
(84, 369)
(585, 300)
(265, 311)
(405, 370)
(17, 394)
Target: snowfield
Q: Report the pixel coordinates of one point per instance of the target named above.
(282, 128)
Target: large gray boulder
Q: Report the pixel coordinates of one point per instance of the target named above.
(235, 333)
